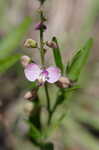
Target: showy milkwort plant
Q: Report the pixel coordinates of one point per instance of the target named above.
(64, 77)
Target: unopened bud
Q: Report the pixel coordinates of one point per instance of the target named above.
(64, 82)
(45, 50)
(28, 107)
(25, 60)
(30, 95)
(51, 44)
(40, 26)
(29, 43)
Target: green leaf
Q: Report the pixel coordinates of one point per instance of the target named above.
(60, 97)
(78, 61)
(73, 88)
(64, 94)
(53, 127)
(7, 62)
(47, 146)
(33, 132)
(57, 55)
(12, 41)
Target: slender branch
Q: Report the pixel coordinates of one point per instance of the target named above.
(42, 62)
(41, 41)
(48, 98)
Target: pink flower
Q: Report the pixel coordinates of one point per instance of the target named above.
(34, 72)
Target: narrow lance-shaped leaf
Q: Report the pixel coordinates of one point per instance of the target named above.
(57, 55)
(7, 62)
(11, 42)
(73, 71)
(64, 94)
(33, 132)
(47, 146)
(78, 61)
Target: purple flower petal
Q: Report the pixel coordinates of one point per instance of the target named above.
(32, 72)
(44, 73)
(40, 25)
(54, 74)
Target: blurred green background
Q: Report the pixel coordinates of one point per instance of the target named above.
(73, 22)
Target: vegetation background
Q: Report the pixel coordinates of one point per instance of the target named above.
(73, 22)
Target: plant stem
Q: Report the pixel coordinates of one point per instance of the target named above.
(41, 49)
(47, 96)
(41, 41)
(43, 63)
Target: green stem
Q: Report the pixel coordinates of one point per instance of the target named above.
(48, 98)
(42, 62)
(41, 48)
(41, 41)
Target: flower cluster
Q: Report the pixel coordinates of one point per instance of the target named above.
(42, 76)
(40, 73)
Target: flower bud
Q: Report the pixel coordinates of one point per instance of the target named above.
(25, 60)
(30, 95)
(63, 82)
(42, 1)
(29, 43)
(28, 107)
(51, 44)
(45, 50)
(40, 26)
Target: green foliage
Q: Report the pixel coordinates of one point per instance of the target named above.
(47, 146)
(75, 66)
(7, 62)
(57, 55)
(11, 42)
(73, 69)
(35, 114)
(63, 94)
(33, 132)
(34, 122)
(53, 127)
